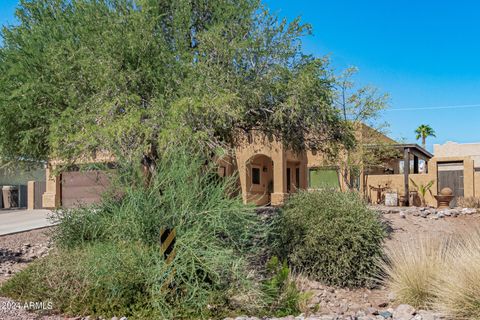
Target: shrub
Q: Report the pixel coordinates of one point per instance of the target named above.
(330, 236)
(441, 274)
(412, 269)
(95, 279)
(108, 261)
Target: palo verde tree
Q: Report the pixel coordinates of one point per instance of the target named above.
(131, 76)
(361, 108)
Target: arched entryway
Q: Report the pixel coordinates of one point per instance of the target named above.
(259, 179)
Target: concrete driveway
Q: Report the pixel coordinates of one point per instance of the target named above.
(13, 221)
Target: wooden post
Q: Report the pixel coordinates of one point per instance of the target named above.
(406, 172)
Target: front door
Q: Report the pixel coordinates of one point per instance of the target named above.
(450, 174)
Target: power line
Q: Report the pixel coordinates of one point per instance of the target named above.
(436, 108)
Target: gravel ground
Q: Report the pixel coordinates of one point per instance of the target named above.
(16, 251)
(405, 225)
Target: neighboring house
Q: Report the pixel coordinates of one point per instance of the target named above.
(395, 176)
(19, 178)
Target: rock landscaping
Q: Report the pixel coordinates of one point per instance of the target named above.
(352, 304)
(17, 250)
(402, 312)
(425, 212)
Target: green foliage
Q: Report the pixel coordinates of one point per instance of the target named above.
(362, 108)
(330, 236)
(101, 278)
(109, 262)
(127, 76)
(281, 293)
(423, 189)
(424, 131)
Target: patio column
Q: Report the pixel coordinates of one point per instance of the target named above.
(279, 178)
(406, 172)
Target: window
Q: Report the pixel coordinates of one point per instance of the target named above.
(255, 175)
(323, 178)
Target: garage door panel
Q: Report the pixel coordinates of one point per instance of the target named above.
(83, 188)
(85, 179)
(451, 175)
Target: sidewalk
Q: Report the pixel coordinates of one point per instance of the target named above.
(12, 221)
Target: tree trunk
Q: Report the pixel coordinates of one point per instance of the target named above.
(424, 142)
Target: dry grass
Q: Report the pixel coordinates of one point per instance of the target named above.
(468, 202)
(442, 274)
(458, 291)
(413, 268)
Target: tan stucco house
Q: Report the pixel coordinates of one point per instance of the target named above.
(268, 172)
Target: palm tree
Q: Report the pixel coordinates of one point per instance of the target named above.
(424, 131)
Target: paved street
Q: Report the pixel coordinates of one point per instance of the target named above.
(12, 221)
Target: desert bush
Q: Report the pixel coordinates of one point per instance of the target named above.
(99, 278)
(458, 290)
(413, 268)
(468, 202)
(183, 193)
(330, 236)
(108, 260)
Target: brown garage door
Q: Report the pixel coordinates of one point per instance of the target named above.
(82, 188)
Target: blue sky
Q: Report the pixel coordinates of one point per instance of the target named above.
(425, 54)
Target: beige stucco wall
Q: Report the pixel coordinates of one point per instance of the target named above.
(476, 180)
(453, 149)
(395, 182)
(51, 197)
